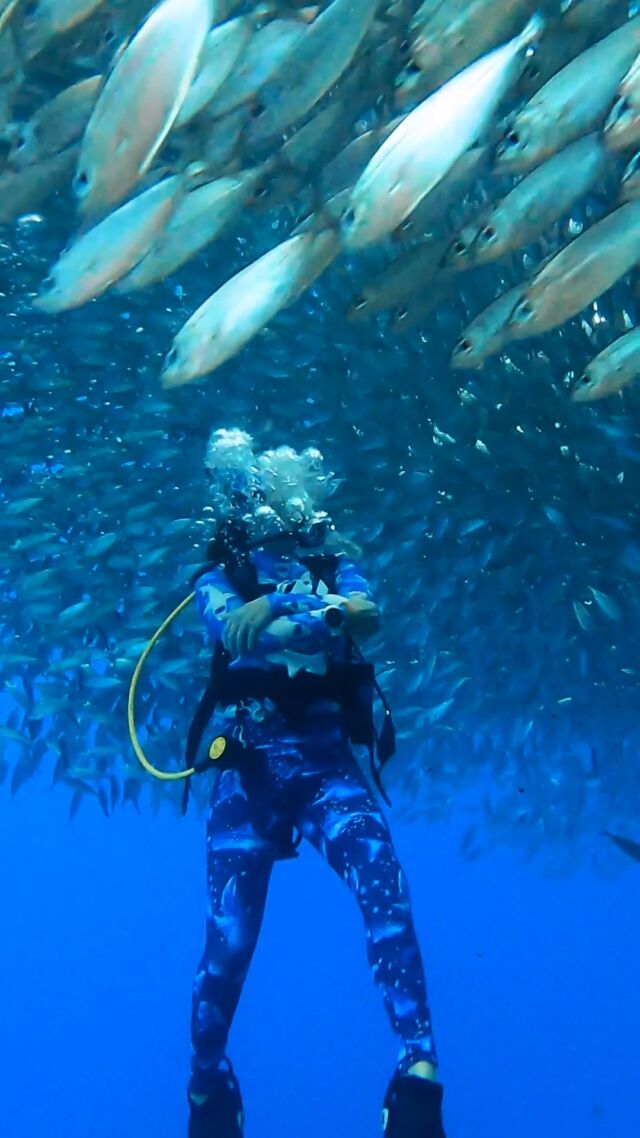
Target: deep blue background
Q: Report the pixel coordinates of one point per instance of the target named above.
(534, 986)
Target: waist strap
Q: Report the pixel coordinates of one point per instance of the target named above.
(292, 695)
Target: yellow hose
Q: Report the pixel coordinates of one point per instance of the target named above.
(166, 776)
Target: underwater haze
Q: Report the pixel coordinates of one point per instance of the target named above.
(494, 494)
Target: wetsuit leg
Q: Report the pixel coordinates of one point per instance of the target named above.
(239, 864)
(343, 821)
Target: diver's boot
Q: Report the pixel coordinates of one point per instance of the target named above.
(413, 1108)
(218, 1114)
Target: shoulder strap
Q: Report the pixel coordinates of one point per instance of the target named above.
(323, 567)
(203, 713)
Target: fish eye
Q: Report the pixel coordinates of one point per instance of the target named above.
(513, 138)
(257, 110)
(172, 358)
(21, 139)
(459, 247)
(349, 217)
(81, 183)
(402, 313)
(488, 233)
(359, 303)
(48, 284)
(412, 69)
(522, 311)
(583, 381)
(464, 345)
(404, 46)
(31, 8)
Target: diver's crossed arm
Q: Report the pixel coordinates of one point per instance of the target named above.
(353, 594)
(304, 633)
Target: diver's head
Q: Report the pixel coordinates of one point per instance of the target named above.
(276, 496)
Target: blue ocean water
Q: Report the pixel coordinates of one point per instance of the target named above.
(499, 528)
(533, 983)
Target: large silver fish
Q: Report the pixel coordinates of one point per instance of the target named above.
(422, 150)
(571, 104)
(48, 18)
(488, 332)
(140, 103)
(614, 368)
(531, 208)
(56, 125)
(105, 253)
(241, 307)
(199, 218)
(453, 36)
(580, 273)
(317, 61)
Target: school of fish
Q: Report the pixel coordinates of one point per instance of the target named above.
(405, 233)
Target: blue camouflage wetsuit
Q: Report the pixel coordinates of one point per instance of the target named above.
(315, 784)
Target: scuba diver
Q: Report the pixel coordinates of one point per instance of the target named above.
(284, 606)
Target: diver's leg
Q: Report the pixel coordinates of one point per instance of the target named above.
(239, 864)
(343, 821)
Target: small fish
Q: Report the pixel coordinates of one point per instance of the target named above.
(71, 613)
(584, 619)
(572, 103)
(111, 249)
(101, 545)
(606, 604)
(435, 714)
(423, 149)
(581, 272)
(614, 368)
(629, 847)
(25, 768)
(140, 102)
(241, 307)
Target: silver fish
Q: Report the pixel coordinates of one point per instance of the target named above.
(614, 368)
(580, 273)
(423, 149)
(571, 104)
(140, 103)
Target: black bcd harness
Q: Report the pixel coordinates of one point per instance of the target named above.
(351, 685)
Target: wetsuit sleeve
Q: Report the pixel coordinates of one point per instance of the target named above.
(215, 598)
(349, 579)
(303, 633)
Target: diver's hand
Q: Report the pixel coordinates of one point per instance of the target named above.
(244, 625)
